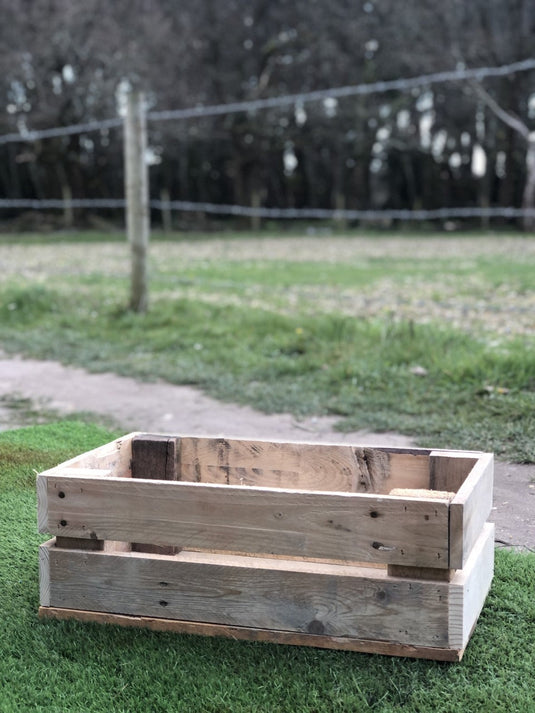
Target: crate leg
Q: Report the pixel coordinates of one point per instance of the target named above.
(155, 458)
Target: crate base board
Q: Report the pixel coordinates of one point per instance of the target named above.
(240, 633)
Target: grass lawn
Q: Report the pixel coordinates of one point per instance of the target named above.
(67, 667)
(431, 336)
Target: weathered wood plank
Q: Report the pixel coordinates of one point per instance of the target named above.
(470, 509)
(469, 588)
(268, 464)
(341, 526)
(114, 456)
(439, 575)
(154, 458)
(241, 633)
(303, 466)
(250, 594)
(44, 573)
(407, 470)
(79, 543)
(449, 469)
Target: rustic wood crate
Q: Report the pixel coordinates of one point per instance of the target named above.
(297, 543)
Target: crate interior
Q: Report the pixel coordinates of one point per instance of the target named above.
(299, 466)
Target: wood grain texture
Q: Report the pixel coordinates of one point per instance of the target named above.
(340, 526)
(282, 598)
(241, 633)
(439, 575)
(470, 509)
(115, 456)
(408, 469)
(449, 469)
(42, 504)
(154, 458)
(303, 466)
(79, 543)
(469, 588)
(268, 464)
(44, 573)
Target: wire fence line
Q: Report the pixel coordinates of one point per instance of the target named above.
(380, 87)
(59, 131)
(278, 213)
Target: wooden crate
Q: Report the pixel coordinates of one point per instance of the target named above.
(296, 543)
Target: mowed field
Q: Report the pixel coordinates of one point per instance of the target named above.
(430, 335)
(482, 283)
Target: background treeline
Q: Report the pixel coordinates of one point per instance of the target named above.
(69, 61)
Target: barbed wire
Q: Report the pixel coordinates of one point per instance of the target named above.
(380, 87)
(279, 213)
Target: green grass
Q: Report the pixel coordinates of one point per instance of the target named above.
(310, 334)
(67, 667)
(475, 394)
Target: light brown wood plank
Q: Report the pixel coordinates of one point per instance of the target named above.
(470, 509)
(114, 456)
(240, 633)
(407, 470)
(44, 573)
(449, 469)
(283, 599)
(301, 466)
(344, 526)
(267, 464)
(469, 588)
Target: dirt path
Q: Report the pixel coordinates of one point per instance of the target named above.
(163, 408)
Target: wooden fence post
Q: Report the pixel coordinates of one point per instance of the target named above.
(137, 198)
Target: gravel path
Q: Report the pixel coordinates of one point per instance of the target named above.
(163, 408)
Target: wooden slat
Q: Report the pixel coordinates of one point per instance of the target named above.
(470, 587)
(407, 470)
(114, 456)
(242, 591)
(302, 466)
(449, 469)
(79, 543)
(440, 575)
(44, 573)
(342, 526)
(470, 509)
(241, 633)
(268, 464)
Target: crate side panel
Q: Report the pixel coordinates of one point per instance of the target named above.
(114, 456)
(407, 470)
(268, 464)
(259, 597)
(469, 588)
(449, 469)
(341, 526)
(470, 509)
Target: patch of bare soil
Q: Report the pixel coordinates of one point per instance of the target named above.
(164, 408)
